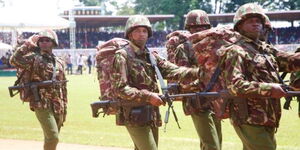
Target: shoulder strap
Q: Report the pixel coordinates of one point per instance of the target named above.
(213, 79)
(271, 65)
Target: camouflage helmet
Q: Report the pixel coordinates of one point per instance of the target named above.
(196, 17)
(137, 21)
(246, 11)
(268, 24)
(49, 34)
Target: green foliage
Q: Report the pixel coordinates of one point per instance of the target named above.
(18, 122)
(177, 7)
(92, 2)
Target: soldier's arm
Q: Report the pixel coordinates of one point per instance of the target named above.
(288, 62)
(120, 82)
(181, 56)
(23, 57)
(171, 71)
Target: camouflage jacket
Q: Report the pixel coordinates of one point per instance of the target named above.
(203, 54)
(183, 55)
(174, 40)
(41, 67)
(247, 72)
(133, 77)
(206, 44)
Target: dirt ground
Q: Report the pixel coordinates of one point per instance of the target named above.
(7, 144)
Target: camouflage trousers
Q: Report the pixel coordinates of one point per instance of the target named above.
(51, 124)
(256, 137)
(209, 130)
(144, 137)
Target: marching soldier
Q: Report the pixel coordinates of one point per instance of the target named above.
(251, 70)
(208, 127)
(36, 62)
(134, 80)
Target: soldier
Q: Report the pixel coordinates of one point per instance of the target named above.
(208, 127)
(134, 80)
(251, 71)
(36, 60)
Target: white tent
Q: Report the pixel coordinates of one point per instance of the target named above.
(4, 46)
(16, 19)
(21, 19)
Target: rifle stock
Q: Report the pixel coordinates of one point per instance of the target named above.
(105, 106)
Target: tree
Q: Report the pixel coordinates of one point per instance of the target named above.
(287, 4)
(101, 3)
(177, 7)
(232, 5)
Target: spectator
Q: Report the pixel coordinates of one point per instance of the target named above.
(89, 63)
(68, 60)
(80, 63)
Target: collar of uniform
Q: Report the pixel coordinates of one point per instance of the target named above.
(137, 50)
(260, 45)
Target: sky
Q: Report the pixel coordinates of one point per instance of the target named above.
(57, 6)
(51, 6)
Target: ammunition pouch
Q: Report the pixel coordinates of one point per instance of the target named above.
(238, 110)
(195, 105)
(141, 115)
(135, 116)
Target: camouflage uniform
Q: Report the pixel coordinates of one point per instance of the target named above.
(208, 127)
(133, 78)
(51, 110)
(248, 72)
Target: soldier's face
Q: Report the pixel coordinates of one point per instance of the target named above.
(45, 44)
(139, 36)
(251, 27)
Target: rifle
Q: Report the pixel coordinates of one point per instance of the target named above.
(106, 104)
(166, 96)
(34, 87)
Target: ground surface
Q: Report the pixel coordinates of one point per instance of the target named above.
(7, 144)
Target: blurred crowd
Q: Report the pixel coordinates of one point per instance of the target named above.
(290, 35)
(90, 39)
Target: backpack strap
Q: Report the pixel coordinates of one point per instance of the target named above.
(213, 79)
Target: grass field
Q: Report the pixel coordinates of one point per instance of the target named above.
(18, 122)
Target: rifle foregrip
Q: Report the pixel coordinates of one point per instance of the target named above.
(287, 104)
(95, 113)
(11, 92)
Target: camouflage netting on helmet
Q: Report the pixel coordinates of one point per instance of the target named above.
(196, 17)
(137, 21)
(247, 11)
(49, 34)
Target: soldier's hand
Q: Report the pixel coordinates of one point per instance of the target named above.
(32, 41)
(277, 91)
(155, 100)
